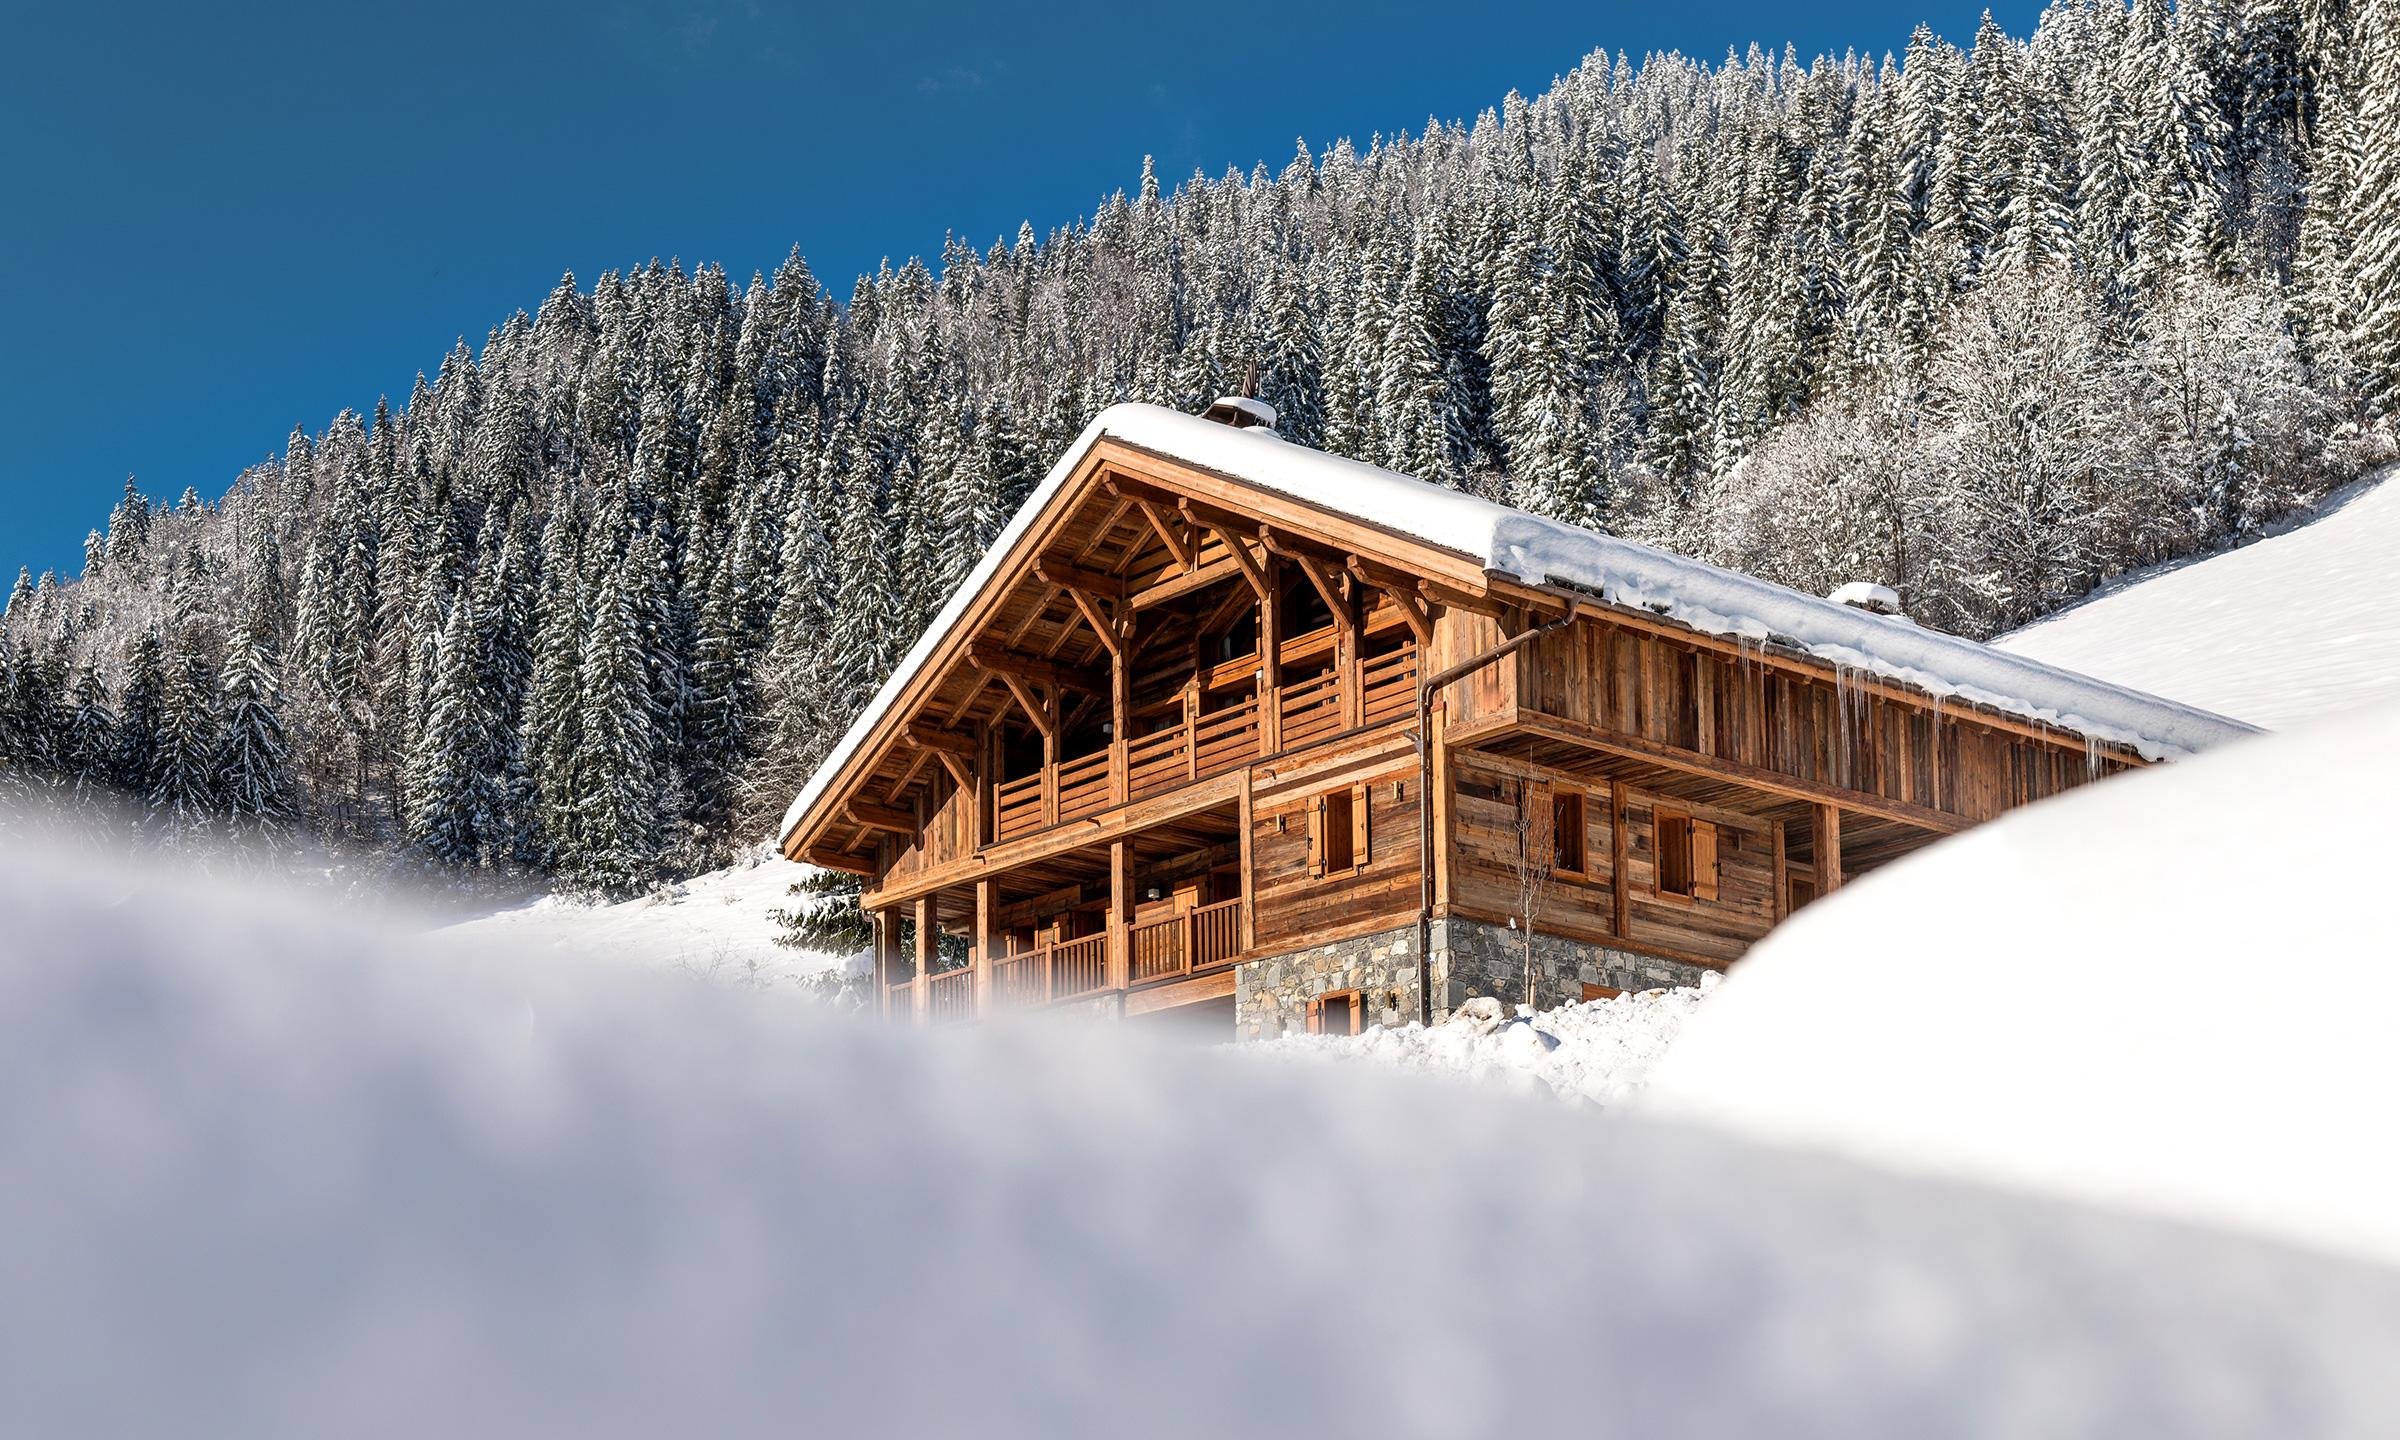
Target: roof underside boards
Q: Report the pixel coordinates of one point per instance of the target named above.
(1038, 619)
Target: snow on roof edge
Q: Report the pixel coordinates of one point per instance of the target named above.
(1539, 551)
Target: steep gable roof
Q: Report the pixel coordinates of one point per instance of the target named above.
(1538, 551)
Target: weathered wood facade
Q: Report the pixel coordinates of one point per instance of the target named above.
(1176, 730)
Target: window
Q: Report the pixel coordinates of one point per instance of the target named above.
(1337, 831)
(1334, 1014)
(1686, 856)
(1567, 832)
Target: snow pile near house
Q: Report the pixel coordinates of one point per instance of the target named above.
(277, 1175)
(717, 925)
(2174, 991)
(1599, 1051)
(2303, 623)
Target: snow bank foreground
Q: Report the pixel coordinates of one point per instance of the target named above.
(2175, 991)
(1601, 1051)
(272, 1174)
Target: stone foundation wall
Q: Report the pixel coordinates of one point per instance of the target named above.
(1470, 958)
(1270, 996)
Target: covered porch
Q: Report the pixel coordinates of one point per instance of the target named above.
(1135, 917)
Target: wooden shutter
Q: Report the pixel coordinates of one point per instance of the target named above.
(1316, 838)
(1704, 860)
(1362, 804)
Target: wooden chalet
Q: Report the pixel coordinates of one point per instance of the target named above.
(1161, 754)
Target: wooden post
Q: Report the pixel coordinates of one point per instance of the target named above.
(1828, 850)
(1347, 661)
(983, 947)
(1247, 936)
(1120, 914)
(1050, 708)
(882, 922)
(1619, 845)
(1270, 664)
(1120, 708)
(1439, 788)
(922, 988)
(1783, 878)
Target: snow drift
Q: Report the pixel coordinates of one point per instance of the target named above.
(2174, 990)
(272, 1174)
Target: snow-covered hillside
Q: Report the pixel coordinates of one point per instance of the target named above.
(718, 925)
(268, 1192)
(2305, 622)
(2172, 991)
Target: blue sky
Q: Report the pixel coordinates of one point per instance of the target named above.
(216, 225)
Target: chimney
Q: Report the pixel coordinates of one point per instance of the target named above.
(1244, 411)
(1868, 596)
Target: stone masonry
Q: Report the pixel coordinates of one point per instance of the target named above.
(1470, 958)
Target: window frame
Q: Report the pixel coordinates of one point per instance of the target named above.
(1356, 999)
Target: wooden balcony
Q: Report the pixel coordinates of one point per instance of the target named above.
(1169, 948)
(1207, 744)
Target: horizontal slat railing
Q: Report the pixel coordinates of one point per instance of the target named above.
(950, 996)
(1018, 804)
(1226, 738)
(1083, 786)
(1155, 762)
(1312, 709)
(1391, 685)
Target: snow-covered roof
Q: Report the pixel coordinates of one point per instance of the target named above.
(1537, 551)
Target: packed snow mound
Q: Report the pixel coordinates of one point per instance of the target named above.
(279, 1175)
(2174, 991)
(1600, 1051)
(2303, 623)
(719, 924)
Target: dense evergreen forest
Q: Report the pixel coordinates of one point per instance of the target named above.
(1987, 324)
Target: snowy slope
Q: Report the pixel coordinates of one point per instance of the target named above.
(284, 1176)
(2174, 991)
(716, 924)
(2302, 623)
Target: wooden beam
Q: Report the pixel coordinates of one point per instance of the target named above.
(1177, 546)
(1103, 625)
(1038, 669)
(1067, 576)
(1235, 547)
(1418, 614)
(1184, 584)
(827, 858)
(962, 772)
(881, 817)
(1674, 757)
(1331, 593)
(939, 740)
(1031, 704)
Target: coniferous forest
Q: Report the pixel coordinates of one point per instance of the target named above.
(1987, 324)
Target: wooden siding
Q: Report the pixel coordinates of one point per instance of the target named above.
(1291, 908)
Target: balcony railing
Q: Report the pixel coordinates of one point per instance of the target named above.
(950, 996)
(1202, 746)
(1067, 970)
(1181, 944)
(1164, 949)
